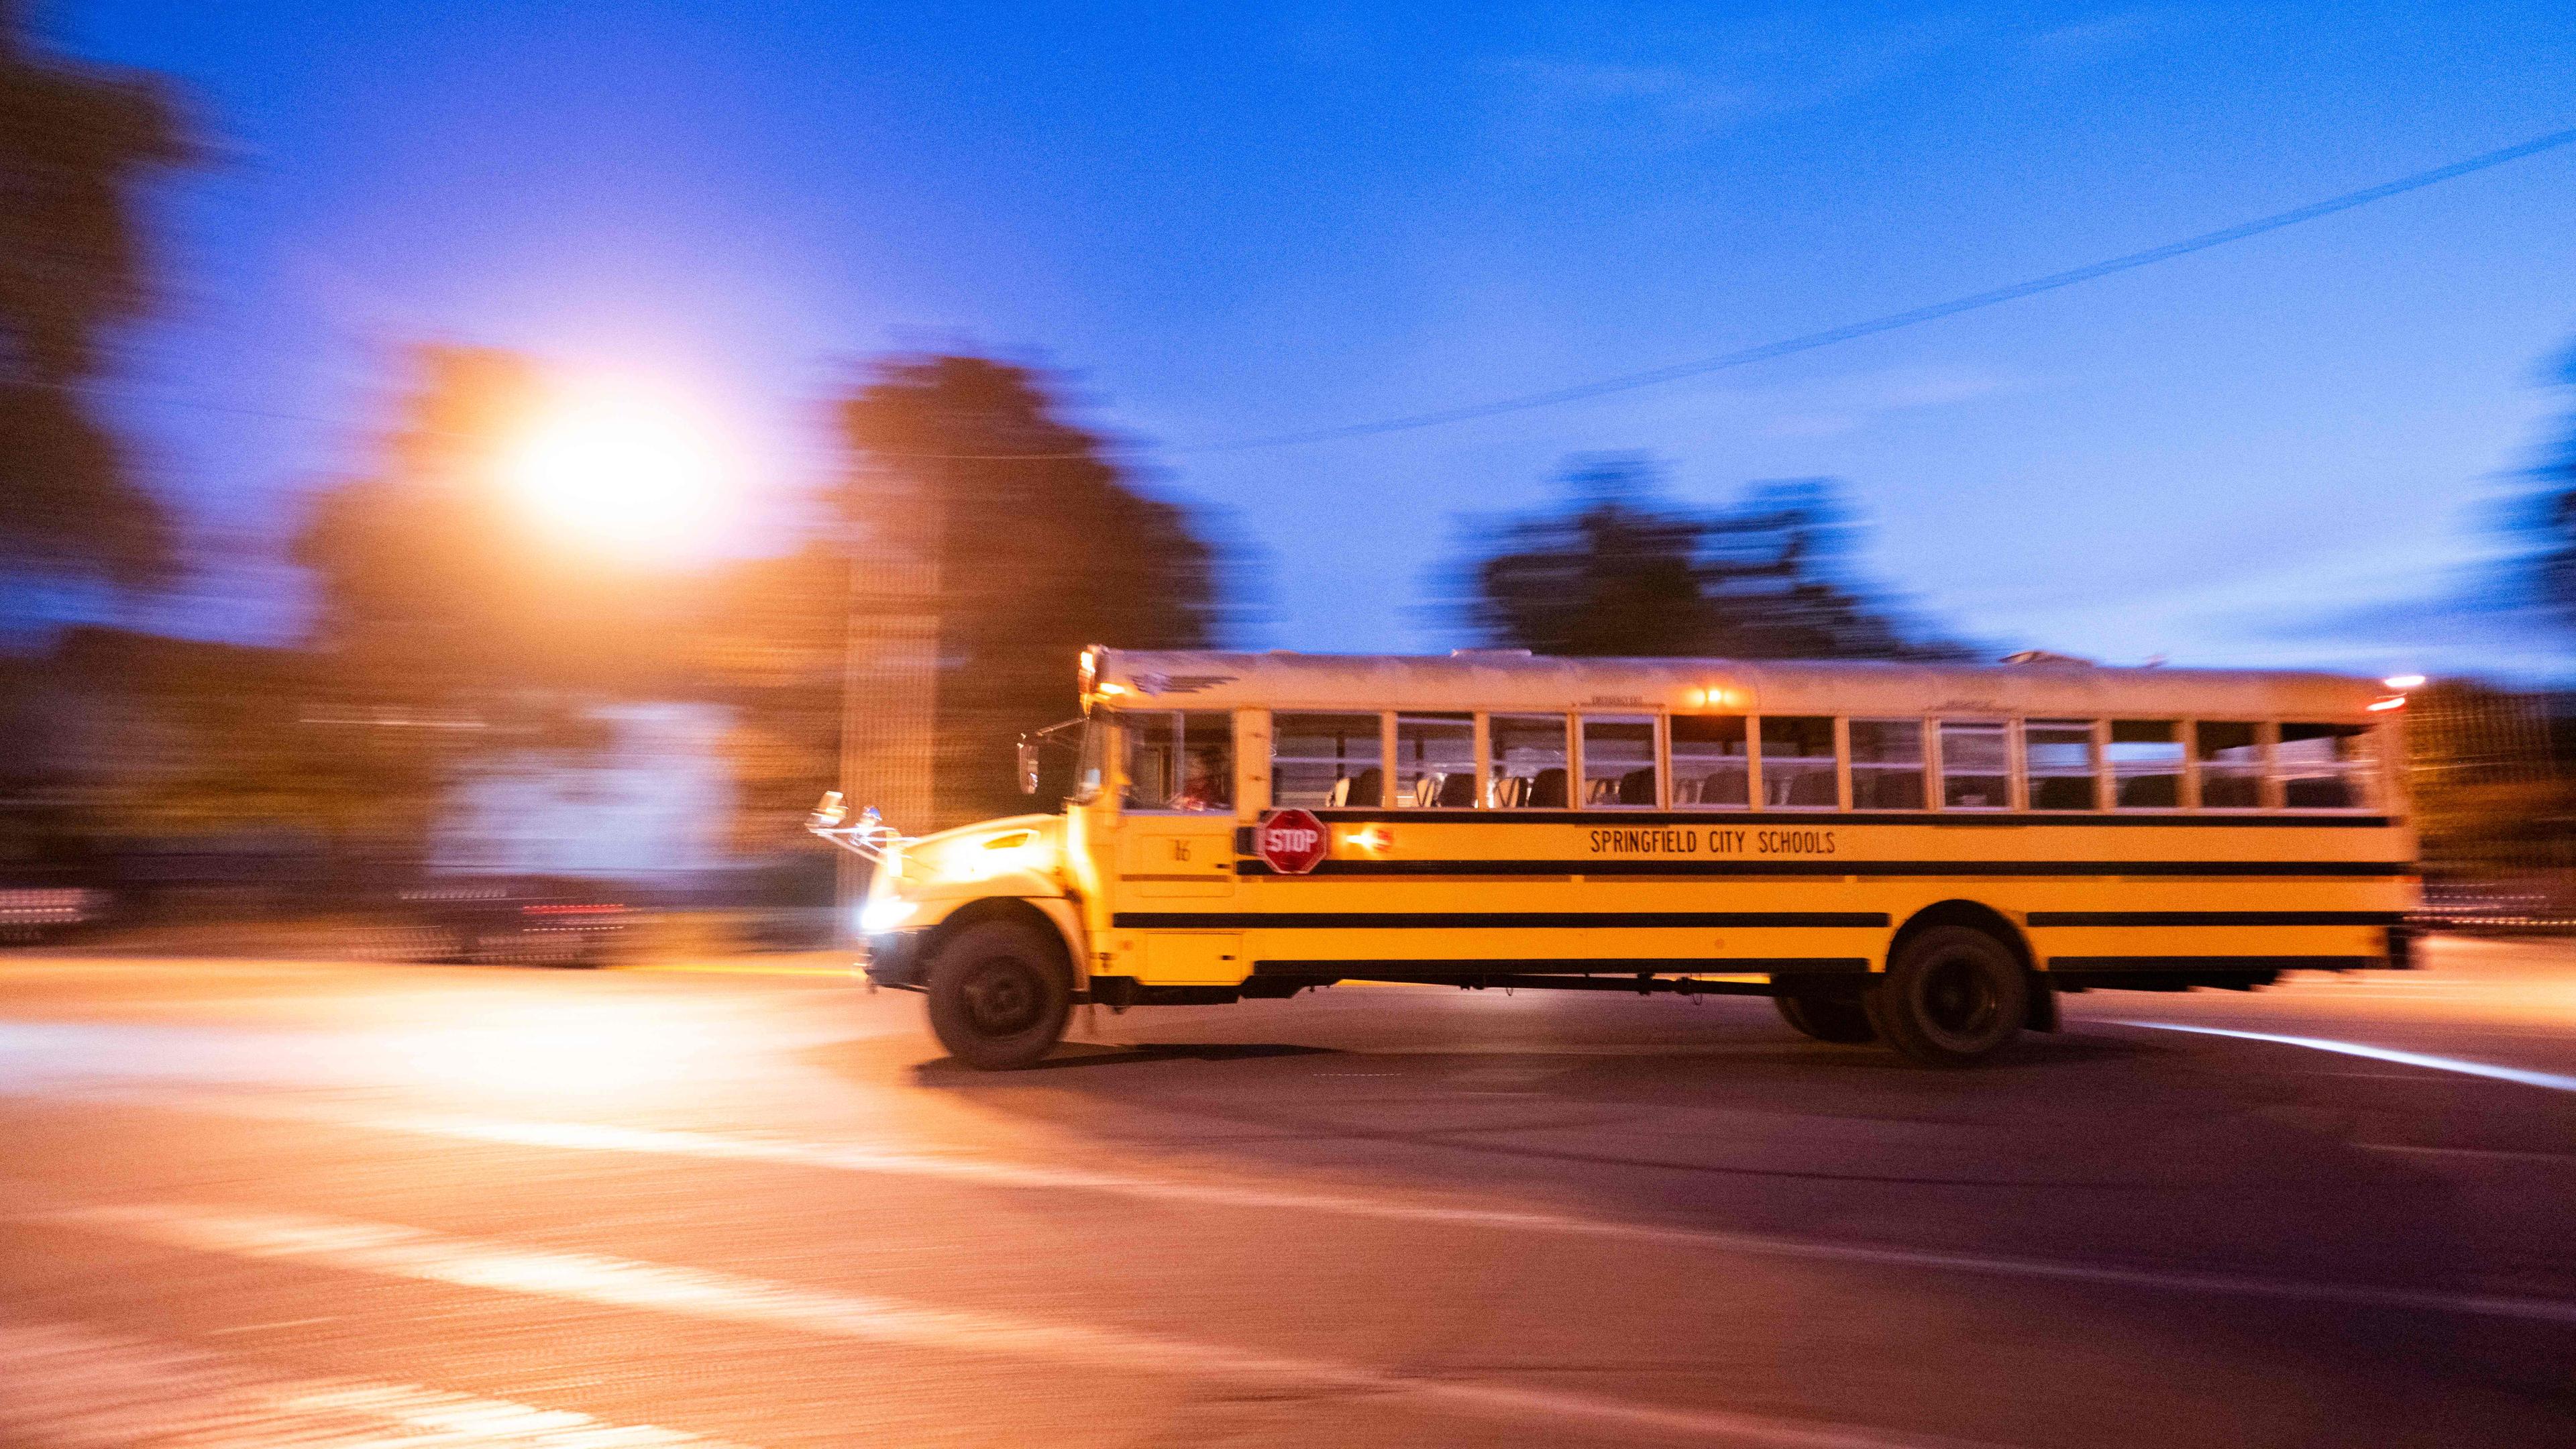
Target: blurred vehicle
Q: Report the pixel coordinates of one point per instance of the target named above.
(34, 914)
(52, 884)
(534, 921)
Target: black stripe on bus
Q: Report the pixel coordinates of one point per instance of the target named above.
(1593, 966)
(1483, 920)
(1827, 866)
(2217, 918)
(2125, 965)
(1720, 815)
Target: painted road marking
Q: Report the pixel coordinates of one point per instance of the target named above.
(403, 1252)
(2554, 1081)
(67, 1384)
(713, 968)
(2479, 1154)
(989, 1172)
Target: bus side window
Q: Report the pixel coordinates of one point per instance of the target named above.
(1976, 766)
(1153, 758)
(1325, 759)
(2058, 756)
(2231, 765)
(2324, 766)
(1799, 771)
(1887, 764)
(1711, 765)
(1179, 760)
(1618, 760)
(1529, 762)
(2146, 764)
(1435, 759)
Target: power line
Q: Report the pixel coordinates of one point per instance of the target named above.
(1745, 357)
(1849, 331)
(1911, 317)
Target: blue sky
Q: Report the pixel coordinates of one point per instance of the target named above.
(1225, 224)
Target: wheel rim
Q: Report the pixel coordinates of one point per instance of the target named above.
(1957, 1001)
(1001, 997)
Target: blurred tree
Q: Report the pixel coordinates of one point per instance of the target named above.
(1612, 574)
(770, 646)
(2551, 521)
(1043, 544)
(77, 143)
(1620, 572)
(448, 627)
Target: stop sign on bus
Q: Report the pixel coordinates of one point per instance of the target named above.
(1292, 841)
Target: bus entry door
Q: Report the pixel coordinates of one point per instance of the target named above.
(1177, 855)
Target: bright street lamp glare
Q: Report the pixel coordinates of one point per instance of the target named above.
(619, 472)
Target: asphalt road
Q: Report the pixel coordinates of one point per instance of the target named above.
(269, 1203)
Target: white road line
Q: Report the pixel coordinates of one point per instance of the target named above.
(75, 1387)
(2479, 1154)
(988, 1172)
(404, 1252)
(2551, 1080)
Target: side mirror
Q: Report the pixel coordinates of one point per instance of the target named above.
(1028, 767)
(828, 812)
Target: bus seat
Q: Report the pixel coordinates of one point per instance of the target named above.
(1637, 787)
(1365, 790)
(1426, 789)
(1817, 789)
(1547, 789)
(1601, 792)
(1457, 788)
(1507, 792)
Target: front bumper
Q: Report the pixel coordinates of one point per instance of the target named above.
(894, 958)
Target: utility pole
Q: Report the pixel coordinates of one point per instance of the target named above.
(890, 668)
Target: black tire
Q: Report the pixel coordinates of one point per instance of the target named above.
(999, 995)
(1838, 1019)
(1952, 996)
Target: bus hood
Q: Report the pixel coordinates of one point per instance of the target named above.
(1016, 855)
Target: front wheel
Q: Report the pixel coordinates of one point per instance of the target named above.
(1952, 996)
(999, 995)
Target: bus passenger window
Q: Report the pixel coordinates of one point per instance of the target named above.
(2058, 755)
(1180, 760)
(1435, 759)
(1709, 760)
(2324, 766)
(1976, 766)
(1618, 760)
(2231, 765)
(1325, 759)
(1529, 762)
(1798, 766)
(1887, 764)
(2146, 764)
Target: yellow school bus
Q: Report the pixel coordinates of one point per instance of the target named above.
(1913, 854)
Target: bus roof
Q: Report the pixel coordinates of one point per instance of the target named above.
(1513, 680)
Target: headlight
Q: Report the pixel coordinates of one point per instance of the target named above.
(878, 917)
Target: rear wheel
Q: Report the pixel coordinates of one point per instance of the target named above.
(1952, 996)
(1827, 1018)
(999, 995)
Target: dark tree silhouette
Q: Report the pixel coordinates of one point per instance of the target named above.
(77, 144)
(1044, 544)
(1618, 571)
(1614, 573)
(2551, 521)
